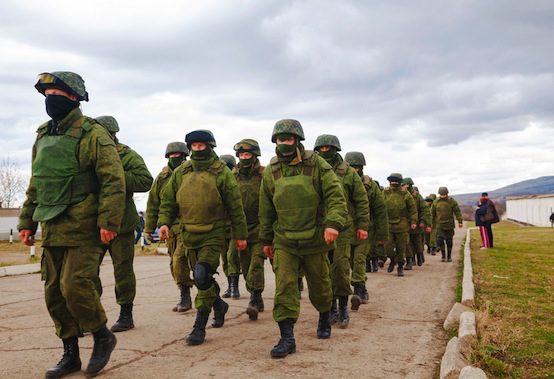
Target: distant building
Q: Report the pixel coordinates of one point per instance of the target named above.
(530, 209)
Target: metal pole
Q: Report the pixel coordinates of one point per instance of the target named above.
(32, 252)
(11, 236)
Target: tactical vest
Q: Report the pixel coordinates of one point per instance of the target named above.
(200, 203)
(58, 178)
(296, 200)
(444, 211)
(341, 170)
(250, 193)
(396, 206)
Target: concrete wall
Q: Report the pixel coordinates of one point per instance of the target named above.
(533, 210)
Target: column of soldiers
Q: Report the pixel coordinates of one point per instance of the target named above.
(311, 213)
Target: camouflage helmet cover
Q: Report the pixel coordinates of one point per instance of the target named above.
(200, 135)
(289, 126)
(176, 147)
(407, 180)
(229, 160)
(429, 199)
(395, 177)
(65, 80)
(355, 158)
(108, 122)
(443, 191)
(247, 145)
(327, 140)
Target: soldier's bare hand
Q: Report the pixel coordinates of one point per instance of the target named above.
(107, 235)
(460, 225)
(361, 234)
(330, 235)
(26, 236)
(268, 251)
(413, 226)
(428, 229)
(240, 244)
(163, 232)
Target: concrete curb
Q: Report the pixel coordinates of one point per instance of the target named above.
(19, 269)
(454, 364)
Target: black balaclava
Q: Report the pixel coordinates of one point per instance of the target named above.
(201, 155)
(59, 106)
(175, 161)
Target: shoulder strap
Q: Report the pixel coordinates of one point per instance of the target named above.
(186, 167)
(308, 160)
(367, 180)
(217, 167)
(276, 168)
(166, 171)
(342, 168)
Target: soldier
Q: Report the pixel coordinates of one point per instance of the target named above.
(122, 247)
(230, 258)
(251, 260)
(402, 214)
(328, 147)
(204, 193)
(302, 209)
(75, 192)
(378, 229)
(443, 211)
(431, 236)
(423, 224)
(176, 153)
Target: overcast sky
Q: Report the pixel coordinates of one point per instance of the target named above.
(455, 93)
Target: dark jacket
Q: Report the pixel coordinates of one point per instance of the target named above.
(480, 213)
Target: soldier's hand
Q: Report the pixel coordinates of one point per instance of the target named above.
(330, 235)
(361, 234)
(163, 232)
(421, 225)
(107, 235)
(26, 236)
(268, 251)
(240, 244)
(413, 226)
(428, 229)
(381, 242)
(460, 225)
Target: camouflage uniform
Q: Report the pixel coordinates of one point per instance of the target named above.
(401, 211)
(443, 211)
(300, 196)
(122, 247)
(431, 237)
(423, 218)
(76, 188)
(357, 219)
(204, 193)
(178, 261)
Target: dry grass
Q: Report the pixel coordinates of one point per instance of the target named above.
(515, 302)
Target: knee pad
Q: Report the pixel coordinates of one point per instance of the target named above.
(203, 275)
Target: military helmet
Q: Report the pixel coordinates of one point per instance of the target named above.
(327, 140)
(229, 160)
(433, 196)
(247, 145)
(429, 199)
(176, 147)
(200, 135)
(355, 158)
(289, 126)
(443, 191)
(395, 177)
(407, 180)
(64, 80)
(108, 122)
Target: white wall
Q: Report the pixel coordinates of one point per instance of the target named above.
(534, 211)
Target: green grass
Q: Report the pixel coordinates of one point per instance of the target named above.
(6, 264)
(514, 285)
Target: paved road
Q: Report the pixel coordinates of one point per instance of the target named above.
(397, 335)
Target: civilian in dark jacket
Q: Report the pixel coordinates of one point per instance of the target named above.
(491, 215)
(480, 213)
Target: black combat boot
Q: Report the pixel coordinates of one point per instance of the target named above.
(409, 263)
(198, 334)
(382, 261)
(104, 343)
(364, 294)
(356, 298)
(391, 266)
(220, 308)
(344, 319)
(125, 321)
(449, 256)
(433, 251)
(287, 344)
(227, 292)
(254, 305)
(368, 264)
(334, 312)
(419, 259)
(400, 271)
(185, 303)
(235, 294)
(323, 326)
(443, 256)
(70, 361)
(422, 258)
(375, 264)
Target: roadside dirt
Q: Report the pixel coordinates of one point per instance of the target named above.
(398, 334)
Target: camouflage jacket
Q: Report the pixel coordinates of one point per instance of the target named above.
(379, 221)
(154, 198)
(443, 212)
(401, 209)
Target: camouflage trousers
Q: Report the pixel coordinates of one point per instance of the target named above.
(416, 243)
(316, 268)
(210, 254)
(340, 270)
(229, 263)
(70, 276)
(122, 251)
(396, 246)
(358, 259)
(250, 264)
(178, 260)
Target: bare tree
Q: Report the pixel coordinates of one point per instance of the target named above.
(12, 183)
